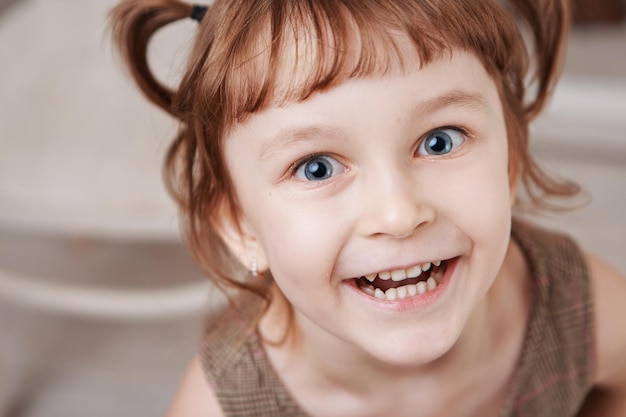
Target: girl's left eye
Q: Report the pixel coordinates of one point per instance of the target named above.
(318, 168)
(441, 142)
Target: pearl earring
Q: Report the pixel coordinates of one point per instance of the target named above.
(254, 269)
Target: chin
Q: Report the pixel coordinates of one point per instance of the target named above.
(407, 352)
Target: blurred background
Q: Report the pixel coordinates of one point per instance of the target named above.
(100, 305)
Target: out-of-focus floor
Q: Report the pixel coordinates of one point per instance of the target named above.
(88, 207)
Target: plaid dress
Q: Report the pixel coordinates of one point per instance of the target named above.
(552, 378)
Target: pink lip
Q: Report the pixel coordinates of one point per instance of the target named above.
(409, 303)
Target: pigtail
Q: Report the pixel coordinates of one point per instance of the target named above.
(548, 22)
(133, 23)
(194, 171)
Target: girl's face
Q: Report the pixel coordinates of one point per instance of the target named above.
(379, 179)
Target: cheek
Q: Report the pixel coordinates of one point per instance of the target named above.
(298, 241)
(295, 235)
(487, 210)
(476, 195)
(484, 194)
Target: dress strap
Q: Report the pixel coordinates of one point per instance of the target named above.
(239, 371)
(555, 371)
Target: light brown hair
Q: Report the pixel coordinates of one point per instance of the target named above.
(241, 46)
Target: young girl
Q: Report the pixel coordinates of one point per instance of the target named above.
(346, 171)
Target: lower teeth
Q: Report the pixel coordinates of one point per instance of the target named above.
(402, 292)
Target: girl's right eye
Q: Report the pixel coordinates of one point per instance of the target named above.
(318, 168)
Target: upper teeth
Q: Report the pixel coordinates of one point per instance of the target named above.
(401, 274)
(402, 292)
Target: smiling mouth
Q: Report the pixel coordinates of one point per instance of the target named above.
(403, 283)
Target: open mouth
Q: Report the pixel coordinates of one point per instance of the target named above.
(403, 283)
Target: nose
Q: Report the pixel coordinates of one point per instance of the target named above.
(393, 205)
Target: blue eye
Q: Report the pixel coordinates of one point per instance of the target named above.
(441, 142)
(318, 168)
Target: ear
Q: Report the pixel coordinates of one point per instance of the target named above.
(242, 242)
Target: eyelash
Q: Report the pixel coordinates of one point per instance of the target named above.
(457, 129)
(299, 164)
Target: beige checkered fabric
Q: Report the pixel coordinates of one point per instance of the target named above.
(552, 379)
(556, 368)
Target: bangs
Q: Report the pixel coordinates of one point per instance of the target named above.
(269, 53)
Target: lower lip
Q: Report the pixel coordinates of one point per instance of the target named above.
(416, 302)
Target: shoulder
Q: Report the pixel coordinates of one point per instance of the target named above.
(195, 397)
(609, 296)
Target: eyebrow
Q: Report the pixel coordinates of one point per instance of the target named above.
(469, 100)
(292, 136)
(472, 101)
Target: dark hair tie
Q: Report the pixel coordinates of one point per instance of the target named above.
(198, 12)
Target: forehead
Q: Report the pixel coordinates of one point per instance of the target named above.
(456, 85)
